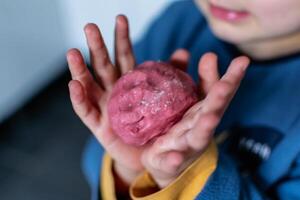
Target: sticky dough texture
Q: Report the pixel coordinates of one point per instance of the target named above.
(149, 100)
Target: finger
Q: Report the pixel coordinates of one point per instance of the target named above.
(195, 108)
(191, 133)
(208, 72)
(218, 98)
(180, 59)
(199, 137)
(80, 72)
(236, 70)
(104, 70)
(174, 139)
(123, 49)
(77, 66)
(169, 141)
(223, 91)
(82, 106)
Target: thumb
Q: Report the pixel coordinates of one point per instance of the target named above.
(180, 59)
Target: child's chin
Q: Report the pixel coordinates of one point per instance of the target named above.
(230, 35)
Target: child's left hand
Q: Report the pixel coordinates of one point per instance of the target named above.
(171, 153)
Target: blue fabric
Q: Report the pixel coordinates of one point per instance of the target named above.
(91, 165)
(268, 98)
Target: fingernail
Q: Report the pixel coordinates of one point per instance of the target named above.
(246, 64)
(121, 20)
(118, 21)
(244, 68)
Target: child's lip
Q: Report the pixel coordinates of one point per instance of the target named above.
(226, 14)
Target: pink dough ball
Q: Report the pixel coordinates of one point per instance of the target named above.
(147, 101)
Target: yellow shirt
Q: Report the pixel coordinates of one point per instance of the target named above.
(187, 186)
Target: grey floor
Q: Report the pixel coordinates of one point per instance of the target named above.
(40, 149)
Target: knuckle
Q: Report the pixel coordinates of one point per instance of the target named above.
(98, 47)
(105, 59)
(123, 35)
(196, 144)
(85, 112)
(194, 141)
(210, 121)
(187, 122)
(190, 124)
(159, 143)
(223, 89)
(125, 51)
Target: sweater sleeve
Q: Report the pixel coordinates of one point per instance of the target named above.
(227, 183)
(206, 179)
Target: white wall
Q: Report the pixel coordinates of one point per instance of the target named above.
(103, 13)
(31, 49)
(35, 34)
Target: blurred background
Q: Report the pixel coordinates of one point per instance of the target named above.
(41, 139)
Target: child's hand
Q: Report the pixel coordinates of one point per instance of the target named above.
(187, 140)
(89, 96)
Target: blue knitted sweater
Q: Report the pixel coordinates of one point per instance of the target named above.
(260, 156)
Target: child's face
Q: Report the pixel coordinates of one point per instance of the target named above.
(248, 21)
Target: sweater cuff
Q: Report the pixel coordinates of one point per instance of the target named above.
(187, 186)
(107, 179)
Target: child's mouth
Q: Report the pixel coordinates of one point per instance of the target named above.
(228, 15)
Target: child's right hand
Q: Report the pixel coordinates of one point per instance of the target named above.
(89, 96)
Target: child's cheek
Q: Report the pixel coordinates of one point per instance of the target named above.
(276, 17)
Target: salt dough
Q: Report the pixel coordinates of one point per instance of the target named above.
(147, 101)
